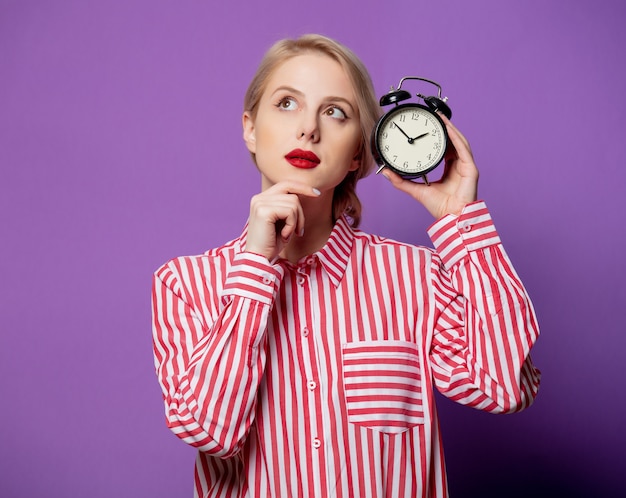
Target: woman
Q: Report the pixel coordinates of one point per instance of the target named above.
(301, 358)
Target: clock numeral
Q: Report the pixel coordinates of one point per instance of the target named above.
(395, 158)
(386, 148)
(385, 134)
(415, 116)
(406, 164)
(392, 125)
(403, 118)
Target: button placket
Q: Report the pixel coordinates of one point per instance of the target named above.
(313, 382)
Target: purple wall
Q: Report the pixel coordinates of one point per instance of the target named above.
(120, 147)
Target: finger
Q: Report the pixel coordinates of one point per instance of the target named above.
(298, 214)
(285, 212)
(295, 189)
(291, 187)
(451, 126)
(412, 188)
(458, 140)
(290, 224)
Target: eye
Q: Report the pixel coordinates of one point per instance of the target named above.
(336, 112)
(287, 104)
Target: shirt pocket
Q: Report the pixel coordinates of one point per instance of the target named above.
(383, 385)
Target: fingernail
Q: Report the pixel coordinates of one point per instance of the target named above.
(302, 232)
(386, 175)
(316, 192)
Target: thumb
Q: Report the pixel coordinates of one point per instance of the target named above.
(414, 189)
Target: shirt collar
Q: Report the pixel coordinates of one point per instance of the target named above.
(335, 254)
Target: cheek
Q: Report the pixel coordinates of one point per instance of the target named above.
(350, 145)
(267, 145)
(270, 134)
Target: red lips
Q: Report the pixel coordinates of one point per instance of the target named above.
(304, 159)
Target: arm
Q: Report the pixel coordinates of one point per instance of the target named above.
(486, 324)
(210, 363)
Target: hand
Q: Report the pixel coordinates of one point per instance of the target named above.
(275, 215)
(419, 136)
(458, 185)
(402, 131)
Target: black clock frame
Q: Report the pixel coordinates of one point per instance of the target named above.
(377, 153)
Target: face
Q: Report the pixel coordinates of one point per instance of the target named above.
(307, 125)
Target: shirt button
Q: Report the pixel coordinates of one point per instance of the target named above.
(466, 226)
(305, 332)
(266, 280)
(300, 280)
(311, 385)
(316, 443)
(310, 261)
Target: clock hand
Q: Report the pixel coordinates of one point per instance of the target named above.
(419, 136)
(402, 131)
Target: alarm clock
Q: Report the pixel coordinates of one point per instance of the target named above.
(411, 138)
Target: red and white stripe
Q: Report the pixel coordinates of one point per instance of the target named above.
(316, 379)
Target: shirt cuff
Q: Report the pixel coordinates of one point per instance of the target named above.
(254, 277)
(454, 236)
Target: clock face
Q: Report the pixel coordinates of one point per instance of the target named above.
(411, 140)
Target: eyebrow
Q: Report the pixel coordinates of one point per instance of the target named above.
(292, 90)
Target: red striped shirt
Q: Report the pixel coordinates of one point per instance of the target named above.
(316, 379)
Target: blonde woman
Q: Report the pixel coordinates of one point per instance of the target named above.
(301, 358)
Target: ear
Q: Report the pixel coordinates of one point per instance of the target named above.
(249, 131)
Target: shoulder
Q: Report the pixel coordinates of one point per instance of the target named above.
(378, 242)
(392, 260)
(196, 270)
(377, 246)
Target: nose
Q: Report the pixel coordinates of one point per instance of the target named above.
(309, 127)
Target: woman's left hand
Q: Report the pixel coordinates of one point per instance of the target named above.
(457, 187)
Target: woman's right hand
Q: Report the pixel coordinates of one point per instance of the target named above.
(276, 214)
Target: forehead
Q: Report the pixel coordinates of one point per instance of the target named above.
(313, 74)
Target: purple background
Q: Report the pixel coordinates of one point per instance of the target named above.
(120, 147)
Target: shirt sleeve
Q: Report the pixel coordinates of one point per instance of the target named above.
(486, 324)
(210, 363)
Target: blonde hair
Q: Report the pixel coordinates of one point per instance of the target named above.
(345, 200)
